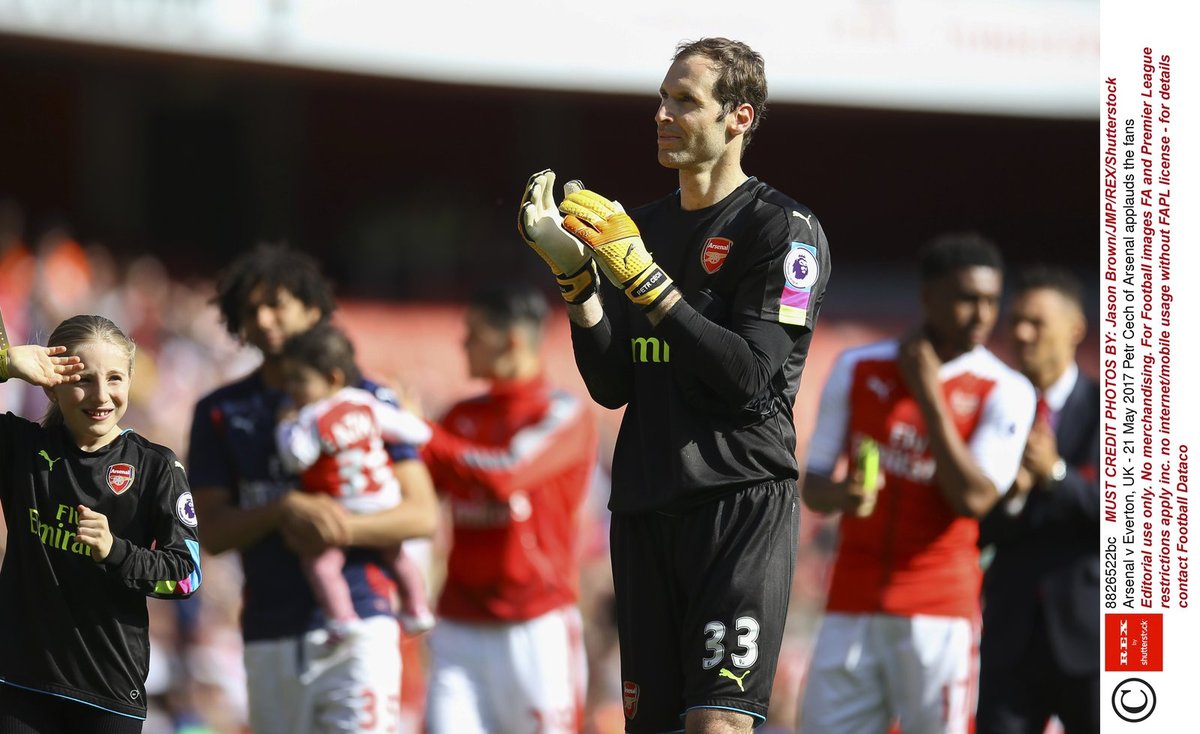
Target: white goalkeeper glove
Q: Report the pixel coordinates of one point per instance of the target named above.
(540, 225)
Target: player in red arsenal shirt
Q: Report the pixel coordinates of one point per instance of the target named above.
(950, 420)
(514, 465)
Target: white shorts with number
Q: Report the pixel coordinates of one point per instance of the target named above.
(521, 678)
(870, 669)
(304, 685)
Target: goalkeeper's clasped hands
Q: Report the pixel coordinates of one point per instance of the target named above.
(593, 230)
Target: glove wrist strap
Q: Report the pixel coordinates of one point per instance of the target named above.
(580, 285)
(649, 287)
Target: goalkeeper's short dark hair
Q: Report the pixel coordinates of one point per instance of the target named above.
(275, 266)
(511, 306)
(950, 253)
(324, 348)
(1061, 280)
(741, 76)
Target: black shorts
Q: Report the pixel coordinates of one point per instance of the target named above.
(23, 711)
(701, 604)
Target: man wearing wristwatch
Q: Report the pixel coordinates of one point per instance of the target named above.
(1041, 616)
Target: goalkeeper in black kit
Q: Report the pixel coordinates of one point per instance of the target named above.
(98, 519)
(700, 328)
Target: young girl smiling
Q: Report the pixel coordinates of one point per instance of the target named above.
(98, 519)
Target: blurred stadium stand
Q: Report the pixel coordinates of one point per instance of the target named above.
(407, 189)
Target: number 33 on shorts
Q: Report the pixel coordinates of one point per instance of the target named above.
(744, 654)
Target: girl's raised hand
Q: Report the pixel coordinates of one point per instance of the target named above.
(43, 366)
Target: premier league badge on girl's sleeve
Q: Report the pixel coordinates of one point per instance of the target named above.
(185, 511)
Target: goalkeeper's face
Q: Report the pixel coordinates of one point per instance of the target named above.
(693, 129)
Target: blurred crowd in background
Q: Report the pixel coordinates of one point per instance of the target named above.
(197, 680)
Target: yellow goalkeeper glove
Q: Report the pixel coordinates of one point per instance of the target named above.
(617, 246)
(540, 226)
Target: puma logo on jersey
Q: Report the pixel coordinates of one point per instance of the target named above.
(879, 387)
(724, 673)
(49, 461)
(798, 215)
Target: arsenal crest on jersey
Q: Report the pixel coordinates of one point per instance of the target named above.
(630, 693)
(120, 477)
(713, 254)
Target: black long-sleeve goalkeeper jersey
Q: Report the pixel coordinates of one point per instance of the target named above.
(709, 391)
(70, 626)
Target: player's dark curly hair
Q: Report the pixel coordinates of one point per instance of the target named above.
(275, 266)
(325, 348)
(741, 76)
(511, 306)
(952, 252)
(1052, 278)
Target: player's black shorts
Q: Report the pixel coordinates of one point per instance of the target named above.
(701, 605)
(24, 711)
